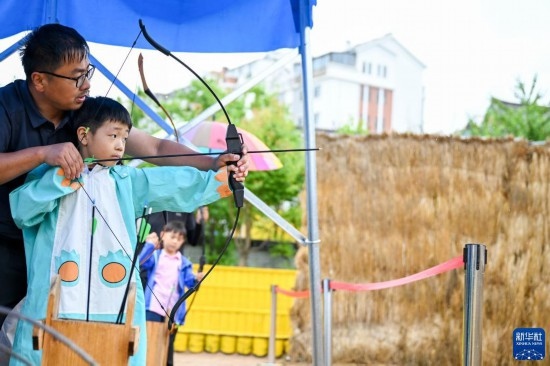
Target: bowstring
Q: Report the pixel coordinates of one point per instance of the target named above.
(90, 198)
(120, 244)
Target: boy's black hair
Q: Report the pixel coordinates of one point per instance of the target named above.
(175, 226)
(96, 111)
(48, 47)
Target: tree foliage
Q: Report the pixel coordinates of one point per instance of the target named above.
(528, 118)
(266, 118)
(261, 114)
(360, 128)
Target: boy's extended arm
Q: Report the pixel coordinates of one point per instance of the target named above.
(39, 195)
(178, 189)
(142, 144)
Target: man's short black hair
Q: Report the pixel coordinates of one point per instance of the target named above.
(48, 47)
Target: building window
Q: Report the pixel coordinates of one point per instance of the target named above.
(364, 107)
(382, 71)
(380, 112)
(374, 95)
(345, 58)
(367, 68)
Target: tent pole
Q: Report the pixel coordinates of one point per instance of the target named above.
(11, 49)
(51, 12)
(311, 194)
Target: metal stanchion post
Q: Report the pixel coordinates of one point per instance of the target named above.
(272, 329)
(327, 293)
(475, 259)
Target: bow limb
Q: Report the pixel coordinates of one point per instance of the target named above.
(234, 145)
(151, 95)
(202, 220)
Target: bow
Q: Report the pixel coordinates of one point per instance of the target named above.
(234, 143)
(233, 183)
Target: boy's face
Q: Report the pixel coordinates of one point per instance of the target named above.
(172, 241)
(108, 142)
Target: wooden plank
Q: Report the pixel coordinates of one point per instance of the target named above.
(106, 343)
(158, 337)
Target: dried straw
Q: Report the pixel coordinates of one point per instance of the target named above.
(393, 205)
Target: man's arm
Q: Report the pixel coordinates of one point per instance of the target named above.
(142, 144)
(65, 155)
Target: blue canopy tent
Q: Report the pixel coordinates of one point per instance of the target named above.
(179, 25)
(195, 26)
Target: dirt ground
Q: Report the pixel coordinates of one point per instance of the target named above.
(221, 359)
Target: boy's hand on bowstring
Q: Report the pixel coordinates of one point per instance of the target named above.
(66, 156)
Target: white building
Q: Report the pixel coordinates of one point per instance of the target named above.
(377, 84)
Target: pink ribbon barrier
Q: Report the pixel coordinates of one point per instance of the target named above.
(430, 272)
(291, 293)
(440, 268)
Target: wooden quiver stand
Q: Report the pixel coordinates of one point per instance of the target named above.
(158, 337)
(107, 343)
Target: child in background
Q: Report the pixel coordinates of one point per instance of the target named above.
(84, 230)
(169, 274)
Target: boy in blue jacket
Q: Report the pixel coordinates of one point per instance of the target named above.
(169, 274)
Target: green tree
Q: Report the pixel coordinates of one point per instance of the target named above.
(261, 114)
(182, 105)
(279, 188)
(350, 128)
(269, 121)
(527, 118)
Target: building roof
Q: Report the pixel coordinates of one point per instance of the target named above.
(383, 42)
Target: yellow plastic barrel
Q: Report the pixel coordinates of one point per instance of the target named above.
(212, 343)
(244, 345)
(259, 347)
(180, 343)
(227, 344)
(279, 347)
(196, 343)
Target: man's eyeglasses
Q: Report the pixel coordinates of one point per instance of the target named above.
(79, 80)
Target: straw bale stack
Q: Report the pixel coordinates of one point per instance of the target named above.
(393, 205)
